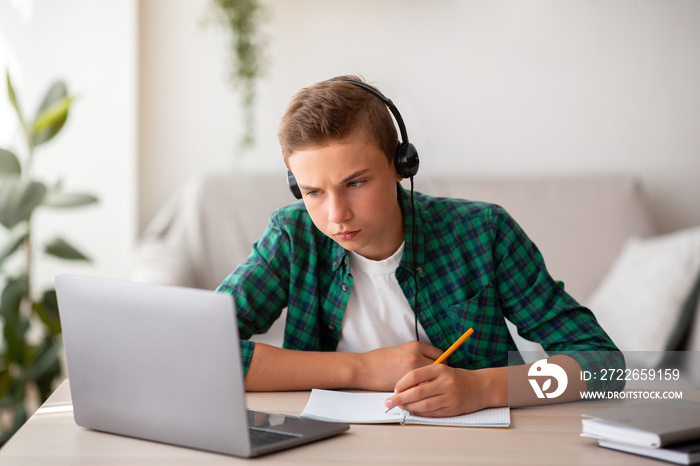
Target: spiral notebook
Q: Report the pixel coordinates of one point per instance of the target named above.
(368, 408)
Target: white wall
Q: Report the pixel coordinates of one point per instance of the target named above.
(92, 46)
(493, 87)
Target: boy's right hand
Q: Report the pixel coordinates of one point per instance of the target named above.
(382, 368)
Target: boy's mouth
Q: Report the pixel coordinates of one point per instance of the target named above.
(347, 235)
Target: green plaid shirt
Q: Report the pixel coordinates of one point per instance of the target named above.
(474, 267)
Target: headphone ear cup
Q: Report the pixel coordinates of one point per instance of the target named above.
(406, 160)
(293, 186)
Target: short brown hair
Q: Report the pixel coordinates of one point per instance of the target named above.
(332, 111)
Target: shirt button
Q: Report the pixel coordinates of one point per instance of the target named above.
(346, 260)
(345, 287)
(335, 264)
(331, 327)
(419, 270)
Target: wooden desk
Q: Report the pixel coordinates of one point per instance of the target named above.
(543, 436)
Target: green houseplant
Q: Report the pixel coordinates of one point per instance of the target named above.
(242, 18)
(31, 345)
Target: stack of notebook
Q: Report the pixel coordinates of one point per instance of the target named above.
(668, 430)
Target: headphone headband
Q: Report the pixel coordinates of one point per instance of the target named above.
(387, 101)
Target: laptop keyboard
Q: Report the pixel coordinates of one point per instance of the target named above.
(261, 438)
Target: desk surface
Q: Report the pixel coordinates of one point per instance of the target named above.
(541, 435)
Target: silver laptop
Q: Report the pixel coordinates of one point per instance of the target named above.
(163, 363)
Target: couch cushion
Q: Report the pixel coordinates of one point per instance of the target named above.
(579, 223)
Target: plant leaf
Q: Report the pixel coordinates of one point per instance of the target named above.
(17, 237)
(6, 401)
(48, 366)
(46, 358)
(52, 114)
(15, 103)
(13, 386)
(11, 297)
(15, 325)
(47, 310)
(18, 414)
(18, 199)
(55, 198)
(40, 131)
(9, 164)
(61, 248)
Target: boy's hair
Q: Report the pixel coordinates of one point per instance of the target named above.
(333, 110)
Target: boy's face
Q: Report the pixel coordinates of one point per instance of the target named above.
(349, 189)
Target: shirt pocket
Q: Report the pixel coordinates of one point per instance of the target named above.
(488, 345)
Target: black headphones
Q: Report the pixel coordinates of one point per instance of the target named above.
(406, 157)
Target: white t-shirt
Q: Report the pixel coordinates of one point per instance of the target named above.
(378, 314)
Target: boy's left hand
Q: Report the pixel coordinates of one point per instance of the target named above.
(440, 391)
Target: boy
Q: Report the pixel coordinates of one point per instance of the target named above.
(365, 271)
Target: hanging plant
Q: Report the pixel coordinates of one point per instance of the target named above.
(242, 18)
(31, 344)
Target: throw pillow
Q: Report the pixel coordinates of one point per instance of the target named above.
(640, 302)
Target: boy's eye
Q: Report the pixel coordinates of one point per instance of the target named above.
(312, 193)
(356, 184)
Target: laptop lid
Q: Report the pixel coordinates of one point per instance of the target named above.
(162, 363)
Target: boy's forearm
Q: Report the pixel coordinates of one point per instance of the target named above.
(277, 369)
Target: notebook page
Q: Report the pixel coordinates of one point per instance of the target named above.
(352, 408)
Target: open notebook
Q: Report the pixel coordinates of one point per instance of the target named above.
(368, 408)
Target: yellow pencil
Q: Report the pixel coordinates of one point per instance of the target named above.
(454, 346)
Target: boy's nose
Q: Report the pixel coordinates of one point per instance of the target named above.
(338, 210)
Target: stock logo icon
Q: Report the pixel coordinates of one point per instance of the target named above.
(547, 371)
